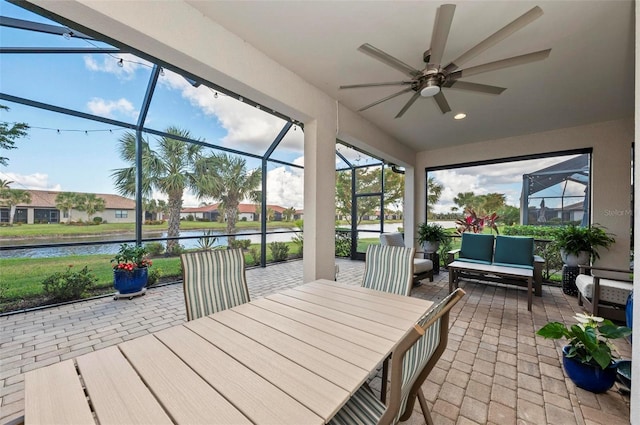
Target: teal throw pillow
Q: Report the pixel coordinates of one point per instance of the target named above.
(515, 250)
(476, 246)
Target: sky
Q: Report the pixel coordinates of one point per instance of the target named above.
(64, 153)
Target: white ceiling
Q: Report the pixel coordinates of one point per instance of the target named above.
(588, 77)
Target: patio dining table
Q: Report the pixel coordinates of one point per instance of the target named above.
(294, 357)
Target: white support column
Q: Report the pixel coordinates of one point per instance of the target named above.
(319, 200)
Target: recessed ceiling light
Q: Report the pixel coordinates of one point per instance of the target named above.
(459, 116)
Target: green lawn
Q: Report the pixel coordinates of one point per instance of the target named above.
(21, 278)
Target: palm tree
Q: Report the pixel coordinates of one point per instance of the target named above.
(92, 205)
(434, 191)
(65, 202)
(288, 214)
(4, 184)
(169, 170)
(9, 198)
(226, 178)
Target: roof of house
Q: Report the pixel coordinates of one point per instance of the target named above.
(47, 199)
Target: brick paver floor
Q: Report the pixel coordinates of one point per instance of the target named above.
(494, 371)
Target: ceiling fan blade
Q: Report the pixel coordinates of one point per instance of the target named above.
(504, 63)
(408, 104)
(389, 60)
(391, 83)
(482, 88)
(442, 103)
(495, 38)
(444, 17)
(408, 89)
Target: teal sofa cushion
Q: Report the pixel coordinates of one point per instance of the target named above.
(470, 260)
(514, 251)
(476, 246)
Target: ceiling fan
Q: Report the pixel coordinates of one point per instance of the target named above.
(430, 81)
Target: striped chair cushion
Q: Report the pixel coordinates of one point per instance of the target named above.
(389, 269)
(362, 408)
(214, 280)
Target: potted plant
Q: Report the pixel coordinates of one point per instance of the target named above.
(579, 245)
(430, 235)
(587, 358)
(130, 269)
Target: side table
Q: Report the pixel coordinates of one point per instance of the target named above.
(569, 274)
(435, 258)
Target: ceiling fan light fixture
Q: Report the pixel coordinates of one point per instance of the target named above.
(430, 90)
(459, 116)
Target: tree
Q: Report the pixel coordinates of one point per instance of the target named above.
(9, 133)
(367, 181)
(464, 200)
(491, 202)
(10, 198)
(169, 170)
(288, 214)
(4, 184)
(434, 191)
(270, 214)
(92, 204)
(225, 178)
(65, 202)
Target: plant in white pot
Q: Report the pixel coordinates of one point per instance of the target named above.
(430, 235)
(579, 245)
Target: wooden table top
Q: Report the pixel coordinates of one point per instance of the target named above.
(294, 357)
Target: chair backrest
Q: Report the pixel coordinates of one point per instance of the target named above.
(415, 356)
(392, 239)
(389, 269)
(213, 280)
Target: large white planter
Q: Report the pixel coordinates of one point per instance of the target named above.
(431, 246)
(573, 260)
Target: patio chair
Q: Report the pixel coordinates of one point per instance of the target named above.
(604, 297)
(422, 267)
(213, 280)
(389, 269)
(411, 362)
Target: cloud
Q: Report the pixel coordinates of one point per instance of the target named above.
(248, 129)
(285, 187)
(109, 64)
(35, 181)
(106, 108)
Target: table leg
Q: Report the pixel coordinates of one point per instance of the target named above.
(452, 279)
(385, 376)
(529, 293)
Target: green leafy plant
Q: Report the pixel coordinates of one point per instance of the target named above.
(573, 239)
(68, 285)
(153, 276)
(279, 251)
(589, 340)
(208, 241)
(255, 256)
(431, 232)
(343, 244)
(130, 257)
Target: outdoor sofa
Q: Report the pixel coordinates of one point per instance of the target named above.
(501, 259)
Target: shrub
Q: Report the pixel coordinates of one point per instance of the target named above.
(279, 251)
(154, 248)
(68, 285)
(190, 217)
(255, 256)
(97, 220)
(153, 276)
(240, 243)
(343, 244)
(208, 241)
(243, 219)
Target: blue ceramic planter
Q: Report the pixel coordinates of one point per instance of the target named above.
(127, 282)
(588, 377)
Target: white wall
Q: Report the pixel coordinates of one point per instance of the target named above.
(611, 172)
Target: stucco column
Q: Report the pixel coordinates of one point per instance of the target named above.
(319, 200)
